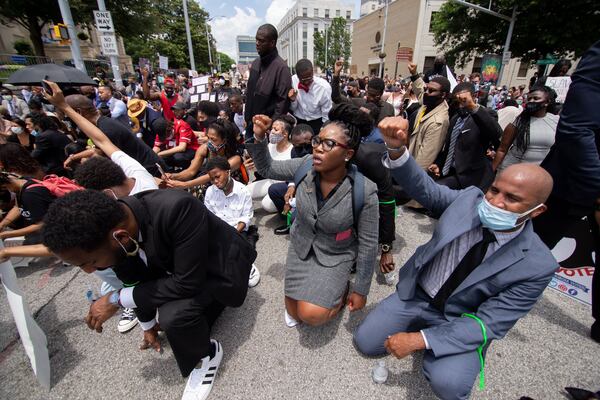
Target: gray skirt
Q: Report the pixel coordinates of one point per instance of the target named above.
(308, 280)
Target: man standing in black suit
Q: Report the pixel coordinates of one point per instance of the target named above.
(159, 245)
(463, 161)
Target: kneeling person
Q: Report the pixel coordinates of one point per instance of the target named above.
(192, 265)
(231, 201)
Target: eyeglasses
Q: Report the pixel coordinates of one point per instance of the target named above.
(327, 144)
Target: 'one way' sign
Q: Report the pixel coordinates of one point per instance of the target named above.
(104, 21)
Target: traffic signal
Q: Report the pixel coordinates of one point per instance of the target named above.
(60, 32)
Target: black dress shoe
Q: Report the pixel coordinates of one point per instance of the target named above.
(282, 230)
(581, 394)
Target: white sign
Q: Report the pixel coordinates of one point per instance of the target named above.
(194, 98)
(163, 62)
(104, 21)
(109, 45)
(560, 84)
(33, 338)
(506, 56)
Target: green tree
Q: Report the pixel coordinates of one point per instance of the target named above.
(226, 62)
(23, 47)
(543, 27)
(168, 38)
(338, 41)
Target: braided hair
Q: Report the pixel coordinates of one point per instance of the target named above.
(523, 121)
(354, 123)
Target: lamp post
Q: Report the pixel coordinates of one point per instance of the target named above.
(382, 53)
(189, 35)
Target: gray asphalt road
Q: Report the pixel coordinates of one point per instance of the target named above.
(547, 350)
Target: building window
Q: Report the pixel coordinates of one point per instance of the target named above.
(304, 49)
(348, 14)
(476, 65)
(428, 63)
(431, 21)
(305, 12)
(304, 31)
(316, 12)
(372, 7)
(326, 13)
(337, 13)
(523, 69)
(316, 28)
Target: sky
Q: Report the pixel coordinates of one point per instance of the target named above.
(242, 17)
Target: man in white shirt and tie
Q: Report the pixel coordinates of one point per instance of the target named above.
(310, 96)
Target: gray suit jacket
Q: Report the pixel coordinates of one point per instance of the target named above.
(317, 229)
(500, 291)
(17, 107)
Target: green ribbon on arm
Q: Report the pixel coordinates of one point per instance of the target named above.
(480, 348)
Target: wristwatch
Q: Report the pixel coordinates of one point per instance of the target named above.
(386, 248)
(114, 298)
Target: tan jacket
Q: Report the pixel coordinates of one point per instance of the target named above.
(427, 140)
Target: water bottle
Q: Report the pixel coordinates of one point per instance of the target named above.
(90, 294)
(380, 372)
(390, 277)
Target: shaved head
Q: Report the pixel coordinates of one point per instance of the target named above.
(536, 182)
(82, 104)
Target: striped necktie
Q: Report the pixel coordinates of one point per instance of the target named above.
(460, 122)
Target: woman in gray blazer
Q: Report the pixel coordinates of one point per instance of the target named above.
(325, 242)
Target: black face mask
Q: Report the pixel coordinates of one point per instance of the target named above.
(533, 107)
(462, 112)
(169, 92)
(431, 102)
(302, 150)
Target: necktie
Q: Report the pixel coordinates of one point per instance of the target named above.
(460, 122)
(470, 261)
(303, 87)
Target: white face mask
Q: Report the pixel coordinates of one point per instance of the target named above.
(16, 130)
(221, 82)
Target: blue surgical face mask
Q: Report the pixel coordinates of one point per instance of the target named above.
(498, 219)
(34, 133)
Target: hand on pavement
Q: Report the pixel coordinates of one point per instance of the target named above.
(386, 263)
(356, 301)
(100, 311)
(151, 339)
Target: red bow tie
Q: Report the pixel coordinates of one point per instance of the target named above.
(303, 87)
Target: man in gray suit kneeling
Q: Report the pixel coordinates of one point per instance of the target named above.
(482, 270)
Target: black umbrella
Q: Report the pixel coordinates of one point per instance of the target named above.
(33, 75)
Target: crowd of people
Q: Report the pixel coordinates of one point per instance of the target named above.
(155, 195)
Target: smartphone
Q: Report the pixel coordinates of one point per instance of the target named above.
(162, 172)
(47, 88)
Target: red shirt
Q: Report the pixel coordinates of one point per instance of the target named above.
(167, 104)
(182, 132)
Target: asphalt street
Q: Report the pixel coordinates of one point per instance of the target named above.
(546, 351)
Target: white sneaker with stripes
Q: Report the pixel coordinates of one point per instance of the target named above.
(200, 381)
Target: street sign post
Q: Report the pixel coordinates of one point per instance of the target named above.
(104, 22)
(506, 56)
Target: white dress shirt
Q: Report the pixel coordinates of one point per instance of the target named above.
(233, 208)
(314, 104)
